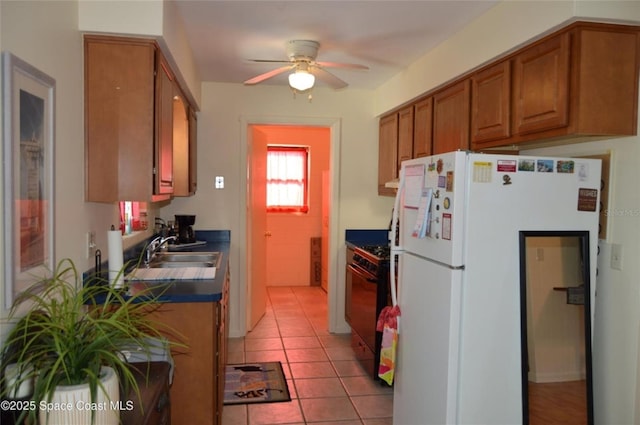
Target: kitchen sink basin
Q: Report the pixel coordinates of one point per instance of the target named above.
(186, 259)
(177, 264)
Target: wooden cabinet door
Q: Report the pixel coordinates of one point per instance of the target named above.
(451, 118)
(422, 127)
(491, 104)
(164, 129)
(405, 135)
(387, 153)
(541, 86)
(221, 348)
(194, 389)
(119, 86)
(181, 142)
(193, 151)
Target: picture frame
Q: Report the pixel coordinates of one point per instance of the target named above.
(28, 159)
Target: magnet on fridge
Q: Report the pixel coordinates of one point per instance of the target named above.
(449, 185)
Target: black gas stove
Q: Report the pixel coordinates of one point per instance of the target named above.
(367, 293)
(372, 258)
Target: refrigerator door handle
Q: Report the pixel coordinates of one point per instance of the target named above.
(395, 249)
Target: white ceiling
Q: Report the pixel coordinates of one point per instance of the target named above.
(385, 35)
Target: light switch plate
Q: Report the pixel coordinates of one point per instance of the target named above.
(616, 256)
(219, 184)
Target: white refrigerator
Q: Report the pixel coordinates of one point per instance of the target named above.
(461, 214)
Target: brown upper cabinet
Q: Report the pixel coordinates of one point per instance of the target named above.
(451, 118)
(193, 145)
(387, 153)
(165, 87)
(541, 86)
(130, 94)
(580, 83)
(395, 145)
(422, 127)
(405, 135)
(491, 103)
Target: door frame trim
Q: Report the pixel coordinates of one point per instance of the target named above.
(335, 320)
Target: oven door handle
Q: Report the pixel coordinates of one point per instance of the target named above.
(364, 275)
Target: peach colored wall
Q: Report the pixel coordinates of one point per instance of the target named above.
(288, 248)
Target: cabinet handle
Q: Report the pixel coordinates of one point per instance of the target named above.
(163, 401)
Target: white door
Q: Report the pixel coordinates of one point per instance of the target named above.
(257, 228)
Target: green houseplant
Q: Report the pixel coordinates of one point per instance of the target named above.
(72, 334)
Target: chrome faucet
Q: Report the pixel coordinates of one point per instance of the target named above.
(156, 245)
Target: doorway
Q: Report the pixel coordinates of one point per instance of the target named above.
(290, 233)
(332, 129)
(555, 301)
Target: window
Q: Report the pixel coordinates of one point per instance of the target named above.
(133, 216)
(287, 178)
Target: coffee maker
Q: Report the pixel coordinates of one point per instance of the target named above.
(185, 231)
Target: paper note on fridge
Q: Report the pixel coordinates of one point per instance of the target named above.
(421, 228)
(413, 185)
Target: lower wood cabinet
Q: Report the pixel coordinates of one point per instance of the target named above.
(197, 390)
(153, 407)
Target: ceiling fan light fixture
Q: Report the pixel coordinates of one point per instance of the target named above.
(301, 80)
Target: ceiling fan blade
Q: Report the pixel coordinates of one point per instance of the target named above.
(269, 61)
(267, 75)
(342, 65)
(328, 78)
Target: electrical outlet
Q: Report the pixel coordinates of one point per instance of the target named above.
(616, 256)
(91, 244)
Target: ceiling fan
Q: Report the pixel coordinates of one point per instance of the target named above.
(302, 62)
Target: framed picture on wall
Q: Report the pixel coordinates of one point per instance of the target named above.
(28, 113)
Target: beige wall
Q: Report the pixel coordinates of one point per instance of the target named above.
(150, 18)
(45, 35)
(617, 313)
(555, 329)
(222, 152)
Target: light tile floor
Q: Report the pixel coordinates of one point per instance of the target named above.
(327, 384)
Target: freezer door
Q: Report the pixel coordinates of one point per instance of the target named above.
(426, 383)
(435, 186)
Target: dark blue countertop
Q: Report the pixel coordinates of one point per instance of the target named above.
(180, 291)
(360, 237)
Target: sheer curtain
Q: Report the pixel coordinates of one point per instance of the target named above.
(287, 179)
